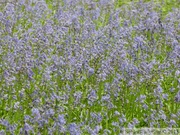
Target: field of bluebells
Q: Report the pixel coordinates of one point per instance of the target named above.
(82, 67)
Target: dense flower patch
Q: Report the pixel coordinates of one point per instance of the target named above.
(82, 67)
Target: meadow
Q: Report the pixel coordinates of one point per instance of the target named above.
(89, 67)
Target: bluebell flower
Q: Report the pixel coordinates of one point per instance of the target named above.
(50, 112)
(177, 97)
(90, 72)
(36, 113)
(74, 129)
(130, 125)
(172, 123)
(177, 73)
(92, 96)
(28, 128)
(61, 119)
(2, 132)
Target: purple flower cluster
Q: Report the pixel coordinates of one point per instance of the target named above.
(87, 67)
